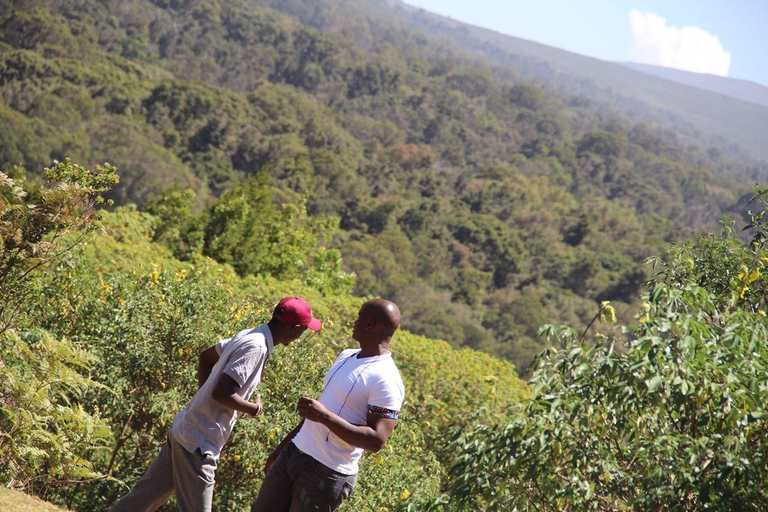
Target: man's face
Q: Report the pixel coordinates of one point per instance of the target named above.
(296, 332)
(359, 325)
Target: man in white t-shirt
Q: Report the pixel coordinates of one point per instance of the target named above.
(228, 374)
(315, 467)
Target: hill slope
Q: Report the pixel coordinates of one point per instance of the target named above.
(481, 203)
(690, 109)
(740, 89)
(15, 501)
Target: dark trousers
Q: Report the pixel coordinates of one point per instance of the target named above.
(299, 483)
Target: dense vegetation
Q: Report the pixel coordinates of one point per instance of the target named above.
(482, 204)
(663, 413)
(104, 353)
(675, 422)
(328, 149)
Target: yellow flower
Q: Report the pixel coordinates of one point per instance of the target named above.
(155, 277)
(743, 290)
(753, 276)
(404, 495)
(607, 313)
(237, 458)
(181, 352)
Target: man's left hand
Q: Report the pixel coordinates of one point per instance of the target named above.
(258, 403)
(312, 409)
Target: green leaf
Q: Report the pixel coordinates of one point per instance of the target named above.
(654, 383)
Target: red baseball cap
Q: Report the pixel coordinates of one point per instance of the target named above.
(296, 311)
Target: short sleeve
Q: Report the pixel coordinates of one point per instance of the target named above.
(220, 346)
(386, 396)
(244, 361)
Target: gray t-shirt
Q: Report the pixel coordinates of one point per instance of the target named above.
(205, 423)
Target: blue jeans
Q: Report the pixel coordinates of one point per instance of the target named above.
(299, 483)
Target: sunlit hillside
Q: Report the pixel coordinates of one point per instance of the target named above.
(483, 203)
(582, 279)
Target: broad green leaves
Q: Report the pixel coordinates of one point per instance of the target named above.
(672, 421)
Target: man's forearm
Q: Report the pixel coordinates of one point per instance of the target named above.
(205, 363)
(362, 436)
(238, 403)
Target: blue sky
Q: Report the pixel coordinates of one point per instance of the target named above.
(723, 37)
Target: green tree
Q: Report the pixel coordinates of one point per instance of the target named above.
(35, 226)
(47, 437)
(673, 422)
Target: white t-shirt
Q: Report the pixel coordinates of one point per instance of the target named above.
(205, 423)
(352, 387)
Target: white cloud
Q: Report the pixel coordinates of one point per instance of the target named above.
(688, 48)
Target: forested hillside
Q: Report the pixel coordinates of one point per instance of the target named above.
(329, 149)
(699, 114)
(484, 205)
(99, 328)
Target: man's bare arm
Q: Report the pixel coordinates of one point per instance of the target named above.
(206, 362)
(225, 392)
(372, 436)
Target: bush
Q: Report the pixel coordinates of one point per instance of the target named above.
(676, 422)
(47, 437)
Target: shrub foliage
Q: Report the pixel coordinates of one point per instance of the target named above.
(672, 421)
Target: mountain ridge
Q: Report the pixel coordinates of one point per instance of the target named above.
(745, 90)
(674, 105)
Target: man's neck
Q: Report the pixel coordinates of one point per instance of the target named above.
(374, 350)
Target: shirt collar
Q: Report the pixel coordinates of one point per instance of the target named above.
(264, 328)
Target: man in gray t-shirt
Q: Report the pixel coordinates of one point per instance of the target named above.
(228, 374)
